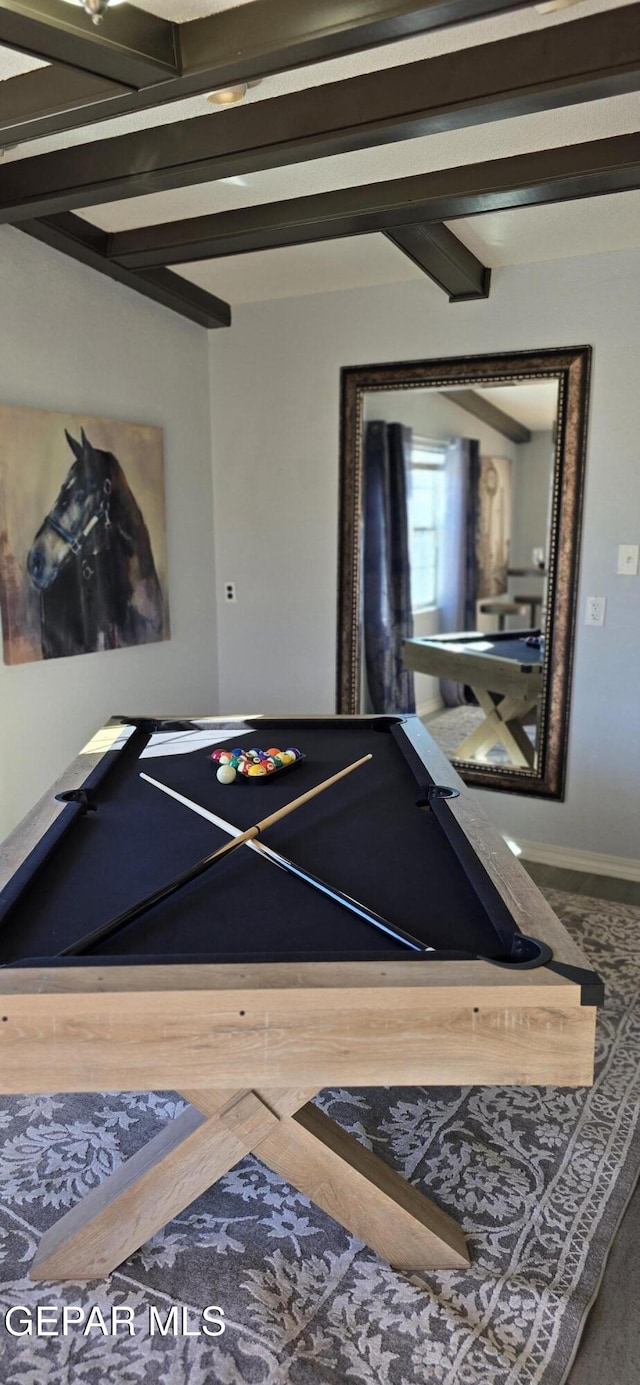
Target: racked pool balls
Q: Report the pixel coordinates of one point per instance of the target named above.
(253, 763)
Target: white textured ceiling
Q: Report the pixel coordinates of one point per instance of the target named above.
(181, 10)
(13, 64)
(535, 405)
(588, 227)
(324, 267)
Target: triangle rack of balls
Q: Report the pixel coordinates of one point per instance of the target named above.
(253, 765)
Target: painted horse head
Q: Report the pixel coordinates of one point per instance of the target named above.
(79, 522)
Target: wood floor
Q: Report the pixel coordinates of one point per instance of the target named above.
(609, 1353)
(577, 882)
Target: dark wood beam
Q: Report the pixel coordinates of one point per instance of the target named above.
(86, 243)
(441, 255)
(481, 408)
(572, 62)
(526, 180)
(278, 35)
(224, 48)
(129, 46)
(46, 94)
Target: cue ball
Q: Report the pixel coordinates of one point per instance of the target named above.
(226, 774)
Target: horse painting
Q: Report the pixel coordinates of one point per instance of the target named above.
(92, 563)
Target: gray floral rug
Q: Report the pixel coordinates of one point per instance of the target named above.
(539, 1177)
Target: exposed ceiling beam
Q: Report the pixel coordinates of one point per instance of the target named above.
(441, 255)
(48, 91)
(572, 62)
(224, 48)
(496, 418)
(81, 241)
(129, 46)
(526, 180)
(280, 34)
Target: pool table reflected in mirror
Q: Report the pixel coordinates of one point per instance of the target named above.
(252, 988)
(504, 672)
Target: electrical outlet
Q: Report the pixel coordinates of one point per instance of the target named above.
(230, 591)
(596, 606)
(628, 559)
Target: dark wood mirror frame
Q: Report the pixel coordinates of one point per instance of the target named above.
(571, 367)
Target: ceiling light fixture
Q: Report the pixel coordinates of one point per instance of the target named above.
(95, 9)
(228, 96)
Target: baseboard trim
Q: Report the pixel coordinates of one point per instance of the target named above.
(590, 862)
(426, 709)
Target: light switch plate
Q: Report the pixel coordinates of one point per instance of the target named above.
(596, 607)
(628, 554)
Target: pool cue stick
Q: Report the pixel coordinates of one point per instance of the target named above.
(136, 911)
(291, 868)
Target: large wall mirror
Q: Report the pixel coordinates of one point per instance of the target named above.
(461, 487)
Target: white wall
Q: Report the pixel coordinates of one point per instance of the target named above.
(532, 480)
(275, 403)
(72, 340)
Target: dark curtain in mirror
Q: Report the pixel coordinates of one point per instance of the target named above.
(458, 573)
(388, 619)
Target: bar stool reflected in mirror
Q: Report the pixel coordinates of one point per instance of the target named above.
(533, 601)
(501, 608)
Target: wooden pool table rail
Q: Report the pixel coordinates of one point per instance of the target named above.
(440, 657)
(349, 1023)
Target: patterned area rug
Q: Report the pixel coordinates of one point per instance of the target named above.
(450, 727)
(539, 1178)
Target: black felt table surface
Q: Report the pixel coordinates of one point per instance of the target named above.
(507, 645)
(366, 836)
(515, 649)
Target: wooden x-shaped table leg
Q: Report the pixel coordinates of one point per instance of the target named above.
(502, 726)
(291, 1136)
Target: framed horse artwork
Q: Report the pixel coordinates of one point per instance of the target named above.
(83, 551)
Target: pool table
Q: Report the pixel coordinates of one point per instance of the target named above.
(250, 988)
(505, 676)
